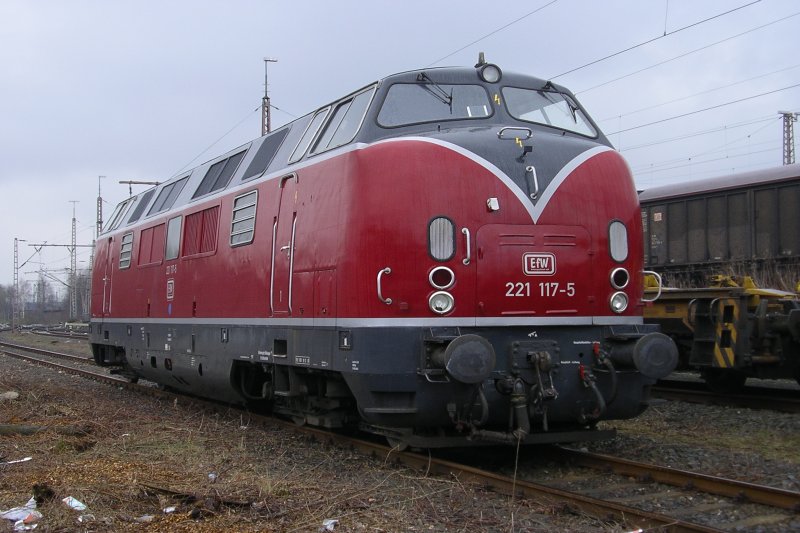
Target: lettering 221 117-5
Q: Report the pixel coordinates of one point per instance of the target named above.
(547, 289)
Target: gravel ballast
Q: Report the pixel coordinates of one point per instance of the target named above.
(137, 455)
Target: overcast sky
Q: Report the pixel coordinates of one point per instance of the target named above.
(139, 90)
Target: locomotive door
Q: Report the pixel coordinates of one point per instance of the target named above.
(283, 247)
(108, 274)
(533, 271)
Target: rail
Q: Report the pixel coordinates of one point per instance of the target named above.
(596, 507)
(601, 509)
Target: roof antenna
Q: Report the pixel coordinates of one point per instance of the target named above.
(481, 60)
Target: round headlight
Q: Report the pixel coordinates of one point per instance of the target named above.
(441, 278)
(619, 302)
(491, 73)
(619, 278)
(441, 302)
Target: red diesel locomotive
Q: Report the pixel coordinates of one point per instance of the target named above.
(446, 257)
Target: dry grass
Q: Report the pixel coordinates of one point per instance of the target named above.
(141, 455)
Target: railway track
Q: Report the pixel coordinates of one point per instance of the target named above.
(63, 334)
(636, 508)
(786, 400)
(79, 365)
(693, 496)
(49, 353)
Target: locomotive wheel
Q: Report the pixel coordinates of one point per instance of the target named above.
(724, 381)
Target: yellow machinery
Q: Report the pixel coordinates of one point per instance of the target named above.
(730, 330)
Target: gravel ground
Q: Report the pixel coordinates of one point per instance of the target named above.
(134, 456)
(141, 456)
(757, 446)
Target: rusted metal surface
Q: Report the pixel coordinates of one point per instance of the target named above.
(82, 359)
(739, 490)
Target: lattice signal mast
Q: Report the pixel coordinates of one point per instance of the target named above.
(73, 262)
(266, 113)
(73, 266)
(789, 118)
(16, 298)
(99, 221)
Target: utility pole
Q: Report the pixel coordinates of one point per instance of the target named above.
(99, 222)
(15, 300)
(789, 118)
(73, 304)
(73, 266)
(266, 113)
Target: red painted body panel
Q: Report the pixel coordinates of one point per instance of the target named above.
(368, 209)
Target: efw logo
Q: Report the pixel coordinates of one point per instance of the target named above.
(539, 264)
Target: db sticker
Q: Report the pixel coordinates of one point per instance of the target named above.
(170, 289)
(539, 264)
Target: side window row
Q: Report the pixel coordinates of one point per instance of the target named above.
(326, 130)
(217, 177)
(339, 129)
(198, 232)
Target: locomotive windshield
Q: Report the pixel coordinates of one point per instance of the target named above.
(413, 103)
(550, 108)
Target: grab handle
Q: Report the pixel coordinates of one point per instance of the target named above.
(658, 278)
(387, 301)
(467, 259)
(532, 171)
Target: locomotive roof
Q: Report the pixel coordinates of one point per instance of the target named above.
(469, 74)
(275, 151)
(721, 183)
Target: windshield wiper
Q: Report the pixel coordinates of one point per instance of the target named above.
(573, 108)
(436, 90)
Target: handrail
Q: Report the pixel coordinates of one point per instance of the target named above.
(467, 259)
(527, 131)
(660, 285)
(532, 170)
(387, 270)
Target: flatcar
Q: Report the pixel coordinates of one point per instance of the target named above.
(744, 224)
(731, 330)
(717, 242)
(445, 257)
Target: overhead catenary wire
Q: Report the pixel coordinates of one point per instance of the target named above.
(695, 158)
(654, 106)
(728, 144)
(680, 56)
(666, 34)
(661, 121)
(497, 30)
(501, 28)
(698, 133)
(691, 162)
(725, 146)
(198, 156)
(210, 146)
(645, 181)
(698, 158)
